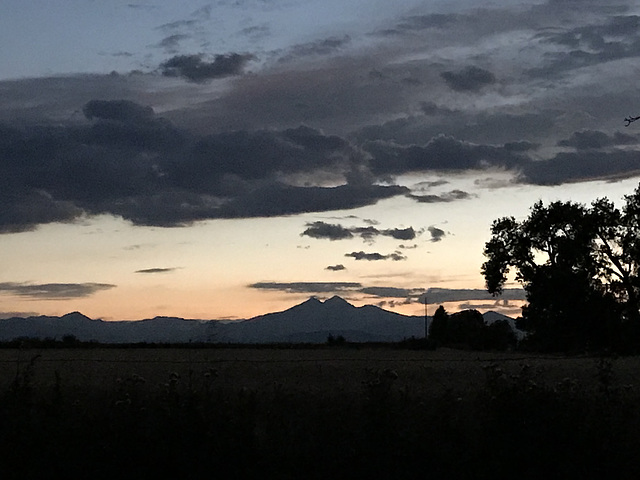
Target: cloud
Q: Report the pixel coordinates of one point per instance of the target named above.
(53, 291)
(442, 295)
(445, 197)
(132, 163)
(440, 153)
(469, 79)
(395, 256)
(308, 287)
(171, 43)
(156, 270)
(336, 268)
(329, 231)
(583, 166)
(595, 139)
(117, 110)
(393, 292)
(5, 315)
(436, 234)
(588, 45)
(195, 69)
(326, 46)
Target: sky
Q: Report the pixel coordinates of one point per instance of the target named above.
(221, 160)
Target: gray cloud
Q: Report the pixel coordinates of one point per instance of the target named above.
(405, 295)
(469, 79)
(196, 69)
(329, 231)
(441, 153)
(171, 43)
(583, 165)
(308, 287)
(587, 45)
(53, 291)
(442, 295)
(451, 196)
(156, 270)
(395, 256)
(436, 234)
(118, 110)
(393, 292)
(336, 268)
(595, 139)
(129, 162)
(326, 46)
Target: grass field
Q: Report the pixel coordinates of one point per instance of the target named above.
(316, 413)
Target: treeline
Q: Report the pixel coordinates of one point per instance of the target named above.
(467, 329)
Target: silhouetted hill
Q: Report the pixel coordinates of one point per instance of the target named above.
(317, 320)
(312, 321)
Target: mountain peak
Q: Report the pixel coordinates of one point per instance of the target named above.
(337, 301)
(75, 315)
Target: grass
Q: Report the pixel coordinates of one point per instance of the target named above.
(316, 413)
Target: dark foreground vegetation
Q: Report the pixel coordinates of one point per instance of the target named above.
(329, 413)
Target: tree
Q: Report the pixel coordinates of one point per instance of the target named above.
(579, 267)
(438, 327)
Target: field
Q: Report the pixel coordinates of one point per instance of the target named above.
(315, 413)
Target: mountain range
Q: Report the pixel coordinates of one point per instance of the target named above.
(312, 321)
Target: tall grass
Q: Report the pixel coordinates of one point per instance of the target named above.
(516, 426)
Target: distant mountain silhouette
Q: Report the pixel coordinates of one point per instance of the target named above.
(314, 321)
(311, 321)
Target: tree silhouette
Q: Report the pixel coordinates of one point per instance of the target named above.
(438, 327)
(579, 266)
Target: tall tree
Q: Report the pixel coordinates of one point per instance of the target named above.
(579, 266)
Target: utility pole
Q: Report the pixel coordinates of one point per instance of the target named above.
(426, 317)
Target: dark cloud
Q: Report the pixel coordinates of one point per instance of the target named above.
(441, 153)
(595, 139)
(5, 315)
(616, 38)
(117, 110)
(308, 287)
(393, 292)
(280, 199)
(336, 268)
(521, 146)
(418, 23)
(326, 46)
(328, 231)
(437, 234)
(583, 166)
(131, 163)
(331, 231)
(469, 79)
(475, 128)
(395, 256)
(431, 108)
(156, 270)
(196, 69)
(451, 196)
(53, 291)
(442, 295)
(178, 25)
(171, 43)
(400, 233)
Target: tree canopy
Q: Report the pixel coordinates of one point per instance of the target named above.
(579, 266)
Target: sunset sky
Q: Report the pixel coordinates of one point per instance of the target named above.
(233, 158)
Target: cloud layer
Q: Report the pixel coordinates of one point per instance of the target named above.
(332, 123)
(53, 291)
